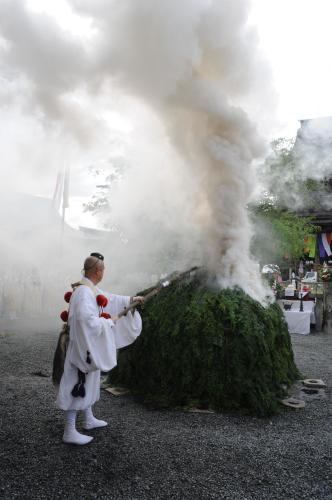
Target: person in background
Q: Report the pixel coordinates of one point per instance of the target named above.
(301, 269)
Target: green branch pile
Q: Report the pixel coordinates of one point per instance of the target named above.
(209, 348)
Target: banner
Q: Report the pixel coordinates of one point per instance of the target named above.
(310, 245)
(326, 244)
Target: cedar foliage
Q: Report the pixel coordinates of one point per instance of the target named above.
(211, 348)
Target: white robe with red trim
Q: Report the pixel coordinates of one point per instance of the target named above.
(93, 339)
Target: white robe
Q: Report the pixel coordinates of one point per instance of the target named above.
(98, 336)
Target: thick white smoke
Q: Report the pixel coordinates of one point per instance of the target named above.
(312, 154)
(192, 81)
(298, 173)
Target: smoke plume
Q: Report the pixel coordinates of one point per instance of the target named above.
(298, 173)
(192, 82)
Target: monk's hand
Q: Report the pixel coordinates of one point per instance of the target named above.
(139, 299)
(114, 318)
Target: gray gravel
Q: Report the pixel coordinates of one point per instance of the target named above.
(146, 454)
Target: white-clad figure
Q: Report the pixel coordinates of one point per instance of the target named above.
(36, 293)
(10, 297)
(93, 341)
(2, 289)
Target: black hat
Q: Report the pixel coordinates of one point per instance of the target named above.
(98, 255)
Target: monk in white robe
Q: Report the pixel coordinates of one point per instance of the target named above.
(93, 341)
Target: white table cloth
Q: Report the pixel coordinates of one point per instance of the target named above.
(308, 306)
(298, 322)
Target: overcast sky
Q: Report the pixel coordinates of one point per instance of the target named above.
(296, 36)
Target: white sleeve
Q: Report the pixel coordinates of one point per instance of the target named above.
(128, 327)
(116, 303)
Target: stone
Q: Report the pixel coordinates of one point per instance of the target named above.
(314, 382)
(293, 403)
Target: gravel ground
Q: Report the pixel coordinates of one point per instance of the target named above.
(146, 454)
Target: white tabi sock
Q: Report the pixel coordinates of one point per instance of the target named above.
(70, 434)
(90, 422)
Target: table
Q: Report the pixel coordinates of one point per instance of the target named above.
(298, 322)
(308, 306)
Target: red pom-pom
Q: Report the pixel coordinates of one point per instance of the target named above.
(105, 315)
(64, 316)
(101, 300)
(67, 296)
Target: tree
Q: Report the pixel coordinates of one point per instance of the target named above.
(280, 234)
(279, 230)
(108, 177)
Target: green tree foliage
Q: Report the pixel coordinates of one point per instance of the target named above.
(286, 233)
(279, 230)
(108, 177)
(211, 348)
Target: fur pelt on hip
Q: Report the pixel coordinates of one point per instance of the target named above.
(60, 355)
